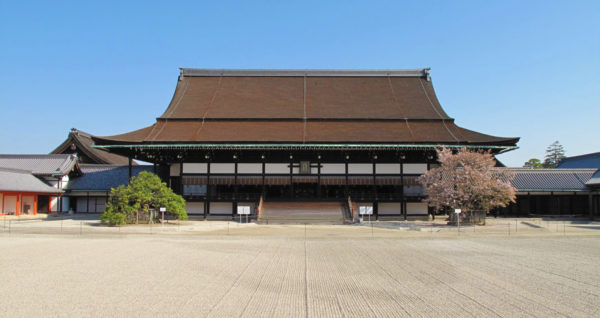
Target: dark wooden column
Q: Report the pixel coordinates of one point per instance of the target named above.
(181, 177)
(319, 176)
(207, 197)
(402, 199)
(291, 177)
(346, 191)
(129, 166)
(376, 199)
(263, 176)
(154, 167)
(590, 205)
(235, 188)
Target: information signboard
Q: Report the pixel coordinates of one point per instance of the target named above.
(243, 209)
(365, 210)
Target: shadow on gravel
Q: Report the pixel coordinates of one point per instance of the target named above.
(531, 225)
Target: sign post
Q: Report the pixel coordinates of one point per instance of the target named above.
(366, 210)
(457, 211)
(243, 210)
(162, 210)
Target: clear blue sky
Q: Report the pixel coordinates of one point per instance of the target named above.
(508, 68)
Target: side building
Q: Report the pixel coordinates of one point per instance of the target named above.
(234, 139)
(36, 183)
(89, 192)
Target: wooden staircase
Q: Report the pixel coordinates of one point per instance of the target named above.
(302, 212)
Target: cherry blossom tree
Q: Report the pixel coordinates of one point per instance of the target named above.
(467, 180)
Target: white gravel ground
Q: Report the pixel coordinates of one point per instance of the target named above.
(287, 271)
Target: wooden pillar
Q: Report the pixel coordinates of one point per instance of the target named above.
(181, 177)
(207, 197)
(402, 198)
(346, 191)
(590, 205)
(154, 167)
(35, 204)
(319, 176)
(291, 177)
(263, 177)
(235, 189)
(18, 211)
(129, 167)
(375, 202)
(88, 203)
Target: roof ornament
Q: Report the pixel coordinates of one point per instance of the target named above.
(181, 74)
(426, 73)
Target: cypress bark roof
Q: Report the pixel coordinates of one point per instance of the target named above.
(81, 143)
(305, 106)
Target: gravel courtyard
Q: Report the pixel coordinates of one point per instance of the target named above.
(298, 272)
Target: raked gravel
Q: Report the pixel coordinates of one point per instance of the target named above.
(305, 274)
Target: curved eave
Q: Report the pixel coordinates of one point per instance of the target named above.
(226, 146)
(552, 190)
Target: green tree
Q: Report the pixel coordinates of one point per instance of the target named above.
(533, 163)
(127, 204)
(554, 154)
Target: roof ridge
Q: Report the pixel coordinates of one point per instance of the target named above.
(419, 72)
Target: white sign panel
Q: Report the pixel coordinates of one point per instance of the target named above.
(365, 210)
(457, 211)
(243, 209)
(163, 209)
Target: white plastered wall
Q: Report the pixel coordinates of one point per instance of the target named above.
(388, 168)
(415, 168)
(389, 208)
(174, 170)
(222, 168)
(221, 207)
(194, 168)
(277, 168)
(416, 208)
(333, 168)
(253, 168)
(10, 204)
(360, 168)
(194, 207)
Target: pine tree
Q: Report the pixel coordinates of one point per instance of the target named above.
(555, 153)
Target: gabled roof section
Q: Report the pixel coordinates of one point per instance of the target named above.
(23, 181)
(80, 143)
(590, 160)
(42, 165)
(551, 179)
(303, 107)
(104, 177)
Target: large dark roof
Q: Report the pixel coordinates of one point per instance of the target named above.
(80, 142)
(590, 160)
(41, 165)
(304, 107)
(551, 179)
(103, 177)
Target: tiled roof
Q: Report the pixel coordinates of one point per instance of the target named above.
(81, 143)
(305, 106)
(591, 160)
(23, 181)
(552, 179)
(103, 177)
(595, 180)
(41, 165)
